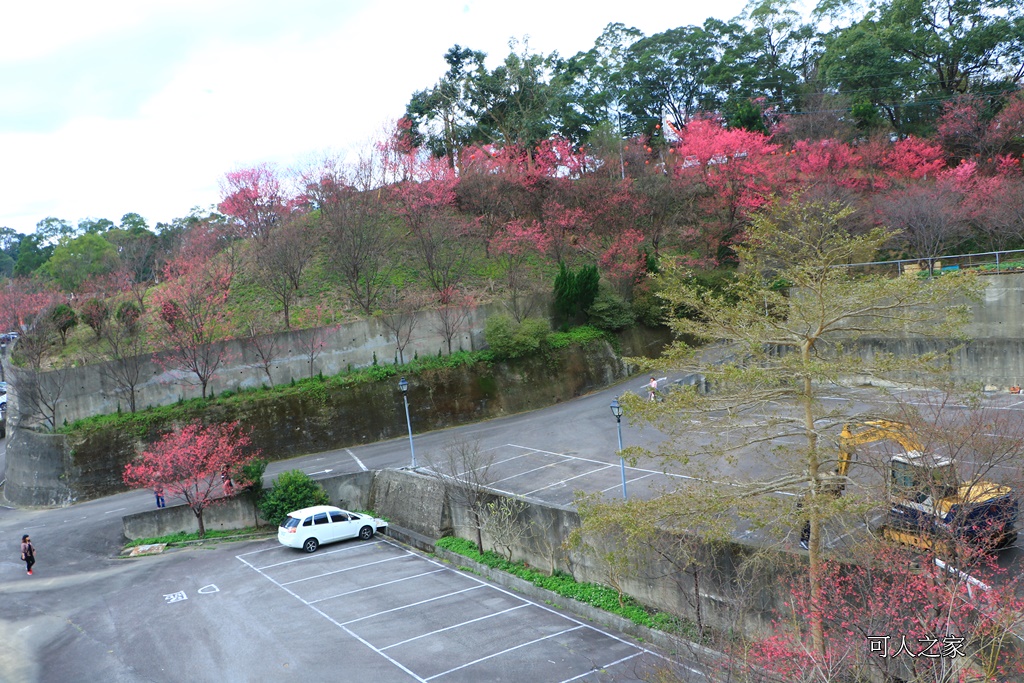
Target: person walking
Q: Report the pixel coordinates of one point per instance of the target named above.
(159, 491)
(28, 553)
(652, 388)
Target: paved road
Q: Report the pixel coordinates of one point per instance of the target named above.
(89, 616)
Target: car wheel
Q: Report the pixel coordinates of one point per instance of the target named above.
(366, 533)
(311, 545)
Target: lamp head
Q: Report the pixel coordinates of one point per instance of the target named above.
(403, 386)
(616, 408)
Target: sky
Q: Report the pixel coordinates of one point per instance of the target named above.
(118, 106)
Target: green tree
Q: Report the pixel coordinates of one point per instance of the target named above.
(75, 261)
(513, 102)
(94, 226)
(31, 255)
(444, 117)
(64, 320)
(292, 490)
(52, 230)
(252, 474)
(592, 88)
(791, 319)
(669, 74)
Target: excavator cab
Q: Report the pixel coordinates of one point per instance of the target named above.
(918, 477)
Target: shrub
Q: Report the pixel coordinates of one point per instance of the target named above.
(95, 314)
(509, 339)
(128, 314)
(293, 490)
(63, 318)
(610, 312)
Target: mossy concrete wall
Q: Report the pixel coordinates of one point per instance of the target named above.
(88, 463)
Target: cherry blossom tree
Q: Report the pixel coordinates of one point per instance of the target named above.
(278, 264)
(188, 464)
(254, 199)
(514, 245)
(191, 307)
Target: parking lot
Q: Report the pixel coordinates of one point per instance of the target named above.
(432, 622)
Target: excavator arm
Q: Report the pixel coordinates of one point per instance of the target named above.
(875, 430)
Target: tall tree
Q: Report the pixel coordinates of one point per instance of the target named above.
(191, 308)
(282, 258)
(791, 318)
(444, 118)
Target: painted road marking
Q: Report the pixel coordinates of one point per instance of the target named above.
(309, 556)
(511, 649)
(347, 569)
(378, 585)
(413, 604)
(111, 511)
(575, 624)
(358, 461)
(449, 628)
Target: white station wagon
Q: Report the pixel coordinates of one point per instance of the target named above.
(309, 528)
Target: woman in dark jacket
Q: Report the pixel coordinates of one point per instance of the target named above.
(28, 553)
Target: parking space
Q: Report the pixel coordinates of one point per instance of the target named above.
(435, 623)
(555, 477)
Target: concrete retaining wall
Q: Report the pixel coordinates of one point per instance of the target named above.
(90, 461)
(90, 390)
(413, 501)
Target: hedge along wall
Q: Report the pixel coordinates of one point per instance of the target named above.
(320, 416)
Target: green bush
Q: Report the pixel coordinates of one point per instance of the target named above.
(509, 339)
(293, 490)
(128, 314)
(610, 312)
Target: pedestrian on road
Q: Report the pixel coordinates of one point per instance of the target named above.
(652, 388)
(159, 491)
(28, 553)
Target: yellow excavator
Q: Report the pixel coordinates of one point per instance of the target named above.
(929, 504)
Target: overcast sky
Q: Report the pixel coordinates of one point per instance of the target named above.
(111, 106)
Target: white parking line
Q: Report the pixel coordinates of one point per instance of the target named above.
(308, 556)
(413, 604)
(562, 482)
(492, 656)
(480, 583)
(449, 628)
(376, 585)
(535, 469)
(358, 461)
(346, 569)
(335, 622)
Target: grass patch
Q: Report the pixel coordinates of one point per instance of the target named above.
(594, 594)
(182, 537)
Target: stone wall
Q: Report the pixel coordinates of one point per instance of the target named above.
(90, 390)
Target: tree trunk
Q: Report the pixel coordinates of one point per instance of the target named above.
(814, 543)
(202, 526)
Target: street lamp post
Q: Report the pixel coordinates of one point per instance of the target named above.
(403, 386)
(617, 412)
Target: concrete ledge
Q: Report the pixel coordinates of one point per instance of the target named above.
(409, 538)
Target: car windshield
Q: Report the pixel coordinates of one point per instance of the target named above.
(290, 523)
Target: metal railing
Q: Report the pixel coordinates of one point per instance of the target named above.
(994, 261)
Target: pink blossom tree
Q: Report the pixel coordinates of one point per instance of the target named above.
(189, 462)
